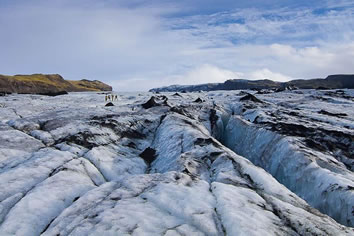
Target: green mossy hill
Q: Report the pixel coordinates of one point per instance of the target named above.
(90, 85)
(40, 83)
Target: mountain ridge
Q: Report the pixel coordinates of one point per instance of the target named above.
(338, 81)
(47, 83)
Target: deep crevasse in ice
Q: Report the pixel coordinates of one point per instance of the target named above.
(310, 174)
(71, 166)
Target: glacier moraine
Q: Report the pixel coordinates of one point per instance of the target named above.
(206, 163)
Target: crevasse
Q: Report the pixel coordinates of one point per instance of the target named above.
(305, 172)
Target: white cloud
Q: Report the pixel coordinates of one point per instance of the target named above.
(267, 74)
(205, 74)
(136, 48)
(202, 74)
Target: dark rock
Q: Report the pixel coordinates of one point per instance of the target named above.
(150, 103)
(315, 145)
(215, 154)
(291, 129)
(291, 87)
(320, 98)
(75, 199)
(149, 155)
(53, 94)
(50, 125)
(279, 90)
(337, 142)
(131, 145)
(263, 91)
(107, 123)
(181, 111)
(109, 116)
(213, 118)
(198, 100)
(4, 93)
(177, 95)
(203, 142)
(293, 113)
(132, 134)
(110, 121)
(250, 97)
(322, 88)
(109, 104)
(156, 101)
(162, 97)
(242, 93)
(324, 112)
(115, 198)
(84, 139)
(339, 94)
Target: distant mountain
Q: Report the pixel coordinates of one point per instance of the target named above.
(44, 84)
(331, 82)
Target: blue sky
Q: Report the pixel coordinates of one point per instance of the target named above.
(136, 45)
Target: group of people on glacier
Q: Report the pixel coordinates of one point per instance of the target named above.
(111, 97)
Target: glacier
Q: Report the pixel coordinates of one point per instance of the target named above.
(202, 163)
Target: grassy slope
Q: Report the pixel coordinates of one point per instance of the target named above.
(83, 85)
(46, 83)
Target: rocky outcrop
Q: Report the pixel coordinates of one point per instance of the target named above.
(331, 82)
(43, 84)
